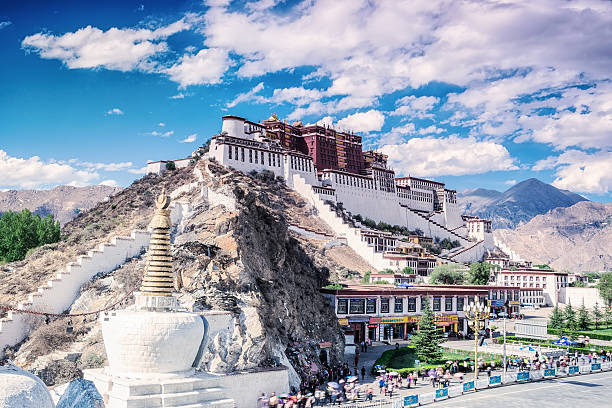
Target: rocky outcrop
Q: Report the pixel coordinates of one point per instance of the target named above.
(234, 252)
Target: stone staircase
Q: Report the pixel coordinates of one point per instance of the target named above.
(201, 391)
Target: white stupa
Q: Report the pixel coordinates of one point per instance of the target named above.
(154, 347)
(20, 388)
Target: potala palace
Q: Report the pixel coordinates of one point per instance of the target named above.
(329, 166)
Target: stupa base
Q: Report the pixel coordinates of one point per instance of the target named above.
(199, 390)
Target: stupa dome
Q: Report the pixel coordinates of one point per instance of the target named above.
(19, 388)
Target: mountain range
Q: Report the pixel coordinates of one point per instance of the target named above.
(576, 238)
(63, 202)
(520, 203)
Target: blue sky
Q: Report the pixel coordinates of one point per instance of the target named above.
(474, 94)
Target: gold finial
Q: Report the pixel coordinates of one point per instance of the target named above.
(159, 278)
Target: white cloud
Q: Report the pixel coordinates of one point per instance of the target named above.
(189, 139)
(249, 96)
(206, 67)
(114, 111)
(161, 134)
(453, 155)
(101, 166)
(579, 171)
(412, 106)
(510, 182)
(369, 121)
(34, 173)
(4, 24)
(109, 183)
(179, 95)
(116, 49)
(161, 124)
(406, 129)
(431, 130)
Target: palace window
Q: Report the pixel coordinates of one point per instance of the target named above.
(371, 306)
(384, 305)
(448, 304)
(398, 305)
(437, 304)
(424, 300)
(357, 306)
(411, 304)
(342, 306)
(460, 302)
(250, 156)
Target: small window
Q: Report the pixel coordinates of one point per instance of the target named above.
(437, 304)
(230, 152)
(357, 306)
(342, 306)
(398, 305)
(242, 153)
(448, 304)
(411, 304)
(460, 302)
(371, 306)
(384, 305)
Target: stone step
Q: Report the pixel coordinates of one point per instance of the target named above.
(177, 399)
(223, 403)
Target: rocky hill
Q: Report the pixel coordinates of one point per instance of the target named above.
(234, 252)
(577, 238)
(63, 202)
(519, 203)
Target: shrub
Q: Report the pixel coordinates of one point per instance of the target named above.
(22, 231)
(333, 286)
(170, 165)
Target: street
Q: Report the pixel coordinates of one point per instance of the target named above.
(591, 391)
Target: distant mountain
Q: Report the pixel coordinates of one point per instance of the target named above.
(576, 238)
(63, 202)
(519, 203)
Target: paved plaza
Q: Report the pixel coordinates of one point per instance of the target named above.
(592, 391)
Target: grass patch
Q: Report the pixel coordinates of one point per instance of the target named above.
(403, 360)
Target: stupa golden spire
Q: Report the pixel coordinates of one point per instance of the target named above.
(159, 278)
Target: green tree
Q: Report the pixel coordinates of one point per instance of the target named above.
(446, 274)
(556, 319)
(578, 284)
(170, 165)
(480, 273)
(597, 315)
(366, 277)
(428, 339)
(21, 231)
(583, 320)
(605, 286)
(408, 270)
(608, 315)
(569, 316)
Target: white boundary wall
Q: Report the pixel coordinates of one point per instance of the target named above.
(58, 294)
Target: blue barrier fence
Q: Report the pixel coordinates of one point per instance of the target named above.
(411, 400)
(458, 390)
(441, 393)
(495, 379)
(522, 376)
(468, 386)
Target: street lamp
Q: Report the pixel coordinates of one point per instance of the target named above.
(476, 315)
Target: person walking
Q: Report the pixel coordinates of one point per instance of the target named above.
(363, 372)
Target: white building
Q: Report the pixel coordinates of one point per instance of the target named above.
(158, 167)
(549, 281)
(358, 181)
